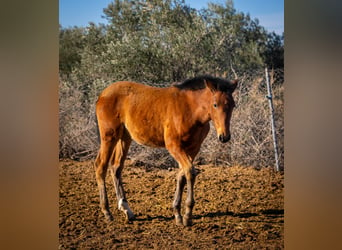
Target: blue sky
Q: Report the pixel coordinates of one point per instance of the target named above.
(270, 13)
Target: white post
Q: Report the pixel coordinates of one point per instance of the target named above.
(270, 101)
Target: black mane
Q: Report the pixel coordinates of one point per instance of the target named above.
(197, 83)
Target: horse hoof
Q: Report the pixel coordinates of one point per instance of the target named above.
(187, 222)
(109, 217)
(179, 221)
(129, 215)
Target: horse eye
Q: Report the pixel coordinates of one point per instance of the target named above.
(215, 105)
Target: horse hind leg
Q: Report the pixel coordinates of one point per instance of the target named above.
(101, 166)
(117, 165)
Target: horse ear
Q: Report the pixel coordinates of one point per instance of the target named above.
(210, 85)
(233, 85)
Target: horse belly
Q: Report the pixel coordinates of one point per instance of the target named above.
(147, 138)
(151, 142)
(146, 133)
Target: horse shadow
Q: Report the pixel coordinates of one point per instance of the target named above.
(275, 213)
(270, 213)
(223, 214)
(151, 218)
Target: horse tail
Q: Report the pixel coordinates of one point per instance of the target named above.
(97, 127)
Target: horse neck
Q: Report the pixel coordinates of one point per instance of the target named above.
(199, 102)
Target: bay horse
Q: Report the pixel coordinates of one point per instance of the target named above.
(175, 117)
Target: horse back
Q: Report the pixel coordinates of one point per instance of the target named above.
(143, 110)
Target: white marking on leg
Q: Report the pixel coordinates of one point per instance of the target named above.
(120, 204)
(123, 206)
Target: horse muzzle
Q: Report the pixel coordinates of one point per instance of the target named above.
(224, 138)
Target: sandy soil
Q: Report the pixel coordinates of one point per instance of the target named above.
(236, 208)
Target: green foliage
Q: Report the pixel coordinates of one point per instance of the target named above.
(166, 41)
(274, 53)
(70, 45)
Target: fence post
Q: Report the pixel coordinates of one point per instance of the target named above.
(270, 102)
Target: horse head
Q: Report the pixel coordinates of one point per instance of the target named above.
(221, 106)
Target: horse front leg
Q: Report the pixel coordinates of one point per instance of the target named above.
(187, 174)
(190, 201)
(178, 197)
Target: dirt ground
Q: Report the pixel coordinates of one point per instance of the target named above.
(236, 208)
